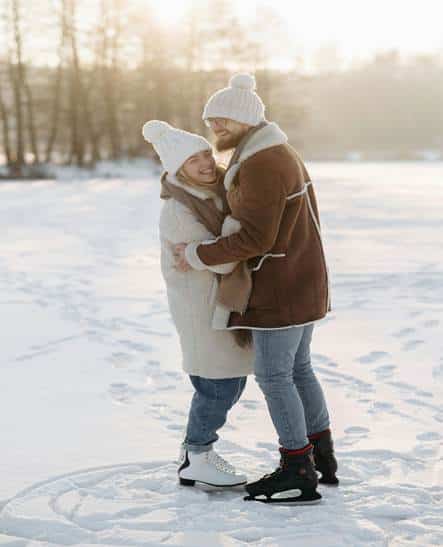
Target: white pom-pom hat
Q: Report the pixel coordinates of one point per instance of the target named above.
(174, 146)
(238, 102)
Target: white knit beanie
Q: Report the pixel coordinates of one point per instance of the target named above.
(237, 102)
(174, 146)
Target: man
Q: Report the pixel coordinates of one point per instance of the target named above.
(271, 195)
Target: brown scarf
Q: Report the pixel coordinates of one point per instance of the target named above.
(234, 288)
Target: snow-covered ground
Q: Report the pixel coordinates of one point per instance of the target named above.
(93, 401)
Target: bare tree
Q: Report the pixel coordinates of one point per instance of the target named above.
(111, 73)
(15, 70)
(4, 116)
(21, 79)
(54, 116)
(111, 36)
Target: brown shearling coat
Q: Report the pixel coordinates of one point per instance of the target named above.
(272, 197)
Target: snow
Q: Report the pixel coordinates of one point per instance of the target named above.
(93, 400)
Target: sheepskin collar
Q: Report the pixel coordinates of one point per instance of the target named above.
(266, 137)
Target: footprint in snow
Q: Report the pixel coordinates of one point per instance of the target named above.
(165, 387)
(384, 372)
(359, 303)
(151, 363)
(411, 389)
(122, 393)
(331, 381)
(429, 436)
(136, 346)
(356, 431)
(175, 427)
(437, 371)
(353, 385)
(380, 406)
(120, 359)
(372, 357)
(352, 436)
(173, 374)
(404, 332)
(432, 323)
(412, 344)
(268, 446)
(319, 358)
(364, 400)
(248, 403)
(422, 404)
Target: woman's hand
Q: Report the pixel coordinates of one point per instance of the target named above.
(181, 264)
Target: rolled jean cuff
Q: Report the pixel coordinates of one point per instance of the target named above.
(197, 448)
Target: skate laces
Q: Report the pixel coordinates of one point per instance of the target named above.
(273, 474)
(220, 463)
(277, 471)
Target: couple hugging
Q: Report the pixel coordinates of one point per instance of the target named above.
(246, 278)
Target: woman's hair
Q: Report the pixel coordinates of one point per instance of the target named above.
(243, 337)
(182, 176)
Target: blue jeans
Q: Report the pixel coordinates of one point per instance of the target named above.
(293, 394)
(210, 405)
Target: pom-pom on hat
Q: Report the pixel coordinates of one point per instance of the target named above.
(238, 102)
(174, 146)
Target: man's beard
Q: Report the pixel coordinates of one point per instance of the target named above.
(228, 142)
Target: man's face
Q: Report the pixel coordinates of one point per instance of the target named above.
(228, 133)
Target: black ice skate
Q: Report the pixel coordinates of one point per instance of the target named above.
(324, 457)
(296, 472)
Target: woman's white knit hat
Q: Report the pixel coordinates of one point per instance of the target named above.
(237, 102)
(174, 146)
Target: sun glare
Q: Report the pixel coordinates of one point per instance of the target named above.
(405, 27)
(169, 11)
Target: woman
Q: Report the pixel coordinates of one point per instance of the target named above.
(217, 363)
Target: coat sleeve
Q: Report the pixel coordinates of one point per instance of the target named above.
(178, 224)
(260, 210)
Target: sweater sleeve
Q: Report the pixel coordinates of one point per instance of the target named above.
(260, 210)
(178, 224)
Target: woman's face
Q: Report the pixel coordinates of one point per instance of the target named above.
(200, 167)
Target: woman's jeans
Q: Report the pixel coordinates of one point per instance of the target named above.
(210, 405)
(293, 394)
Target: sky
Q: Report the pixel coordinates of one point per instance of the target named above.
(362, 25)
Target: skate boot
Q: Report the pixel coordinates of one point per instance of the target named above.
(296, 472)
(208, 468)
(324, 457)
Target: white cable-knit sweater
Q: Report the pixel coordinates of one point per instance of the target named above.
(191, 295)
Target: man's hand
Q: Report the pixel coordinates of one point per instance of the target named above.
(181, 264)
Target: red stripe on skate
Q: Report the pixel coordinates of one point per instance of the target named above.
(298, 451)
(319, 435)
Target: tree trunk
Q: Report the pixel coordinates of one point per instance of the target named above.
(15, 75)
(77, 150)
(55, 112)
(5, 130)
(31, 125)
(111, 73)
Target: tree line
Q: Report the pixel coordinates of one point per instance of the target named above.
(77, 84)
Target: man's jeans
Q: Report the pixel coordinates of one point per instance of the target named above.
(210, 405)
(293, 394)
